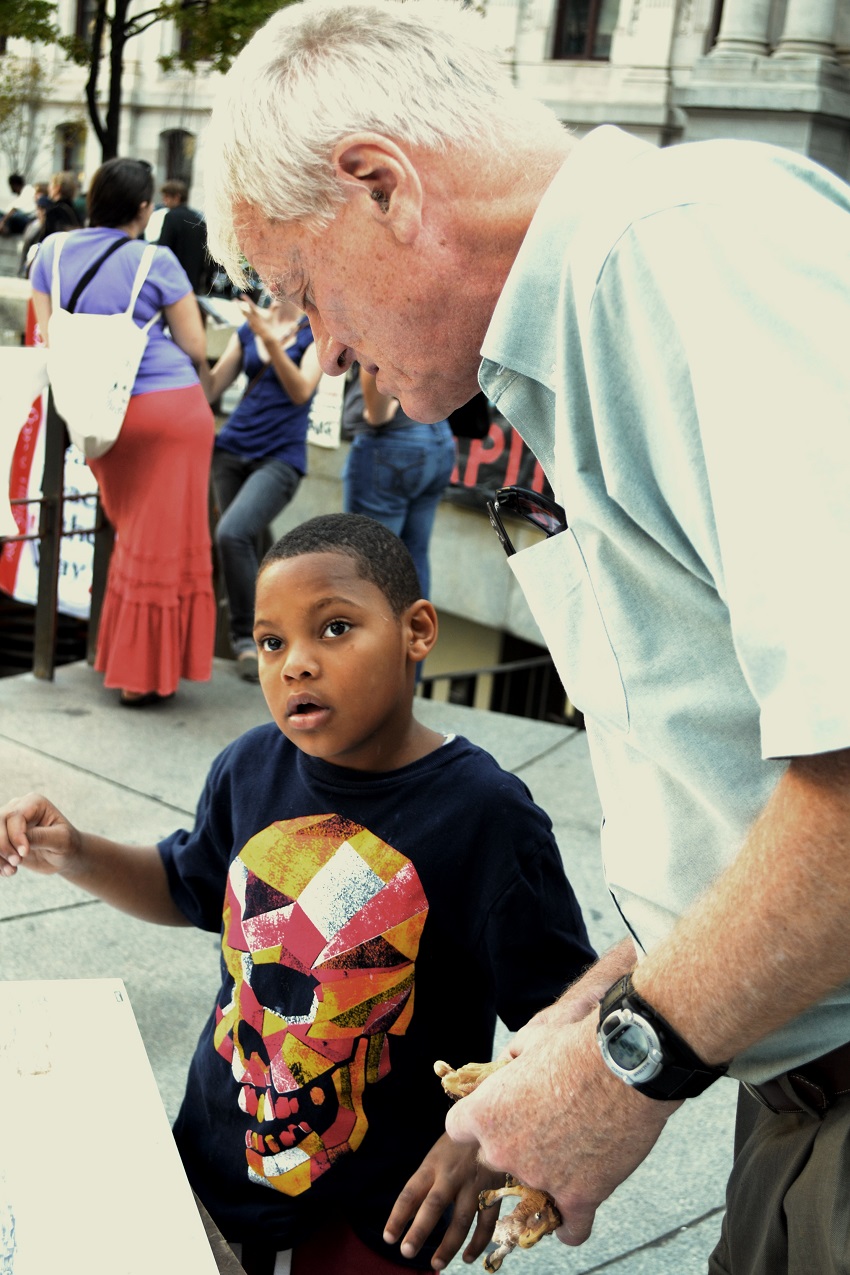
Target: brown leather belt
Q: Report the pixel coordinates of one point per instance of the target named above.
(810, 1089)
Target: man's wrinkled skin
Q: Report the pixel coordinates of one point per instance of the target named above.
(536, 1214)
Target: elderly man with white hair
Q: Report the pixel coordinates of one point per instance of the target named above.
(667, 331)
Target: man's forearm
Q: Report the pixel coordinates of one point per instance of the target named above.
(587, 991)
(769, 938)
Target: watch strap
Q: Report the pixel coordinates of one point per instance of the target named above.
(683, 1074)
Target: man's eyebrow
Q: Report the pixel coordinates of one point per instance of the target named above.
(289, 284)
(284, 288)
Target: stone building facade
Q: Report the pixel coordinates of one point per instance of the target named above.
(163, 113)
(669, 70)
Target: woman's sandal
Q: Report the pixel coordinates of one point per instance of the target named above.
(129, 699)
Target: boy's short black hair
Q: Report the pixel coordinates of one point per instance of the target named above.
(381, 557)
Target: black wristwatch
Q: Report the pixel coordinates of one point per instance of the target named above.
(641, 1047)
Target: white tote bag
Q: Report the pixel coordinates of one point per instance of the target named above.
(92, 361)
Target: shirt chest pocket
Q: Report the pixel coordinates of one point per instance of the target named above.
(554, 578)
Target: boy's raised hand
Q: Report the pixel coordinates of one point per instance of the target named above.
(33, 833)
(449, 1175)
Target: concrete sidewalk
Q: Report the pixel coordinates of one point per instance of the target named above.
(137, 776)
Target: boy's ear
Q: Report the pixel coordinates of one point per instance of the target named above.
(421, 622)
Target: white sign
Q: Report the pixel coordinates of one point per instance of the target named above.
(90, 1178)
(325, 425)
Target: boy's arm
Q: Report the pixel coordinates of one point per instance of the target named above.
(580, 999)
(444, 1179)
(37, 836)
(379, 409)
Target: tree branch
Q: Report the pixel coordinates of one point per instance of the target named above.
(91, 82)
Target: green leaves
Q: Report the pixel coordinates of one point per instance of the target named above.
(213, 31)
(29, 20)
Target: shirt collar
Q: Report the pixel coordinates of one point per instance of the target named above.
(521, 333)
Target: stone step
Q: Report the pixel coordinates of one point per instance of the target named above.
(10, 254)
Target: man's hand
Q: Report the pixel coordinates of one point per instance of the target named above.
(449, 1175)
(557, 1119)
(33, 833)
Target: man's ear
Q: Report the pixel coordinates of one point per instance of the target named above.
(380, 171)
(420, 620)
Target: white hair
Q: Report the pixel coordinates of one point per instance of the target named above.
(416, 71)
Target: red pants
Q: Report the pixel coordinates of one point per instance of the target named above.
(335, 1250)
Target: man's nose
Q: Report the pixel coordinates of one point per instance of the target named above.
(334, 357)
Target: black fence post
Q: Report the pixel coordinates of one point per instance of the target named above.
(50, 536)
(103, 539)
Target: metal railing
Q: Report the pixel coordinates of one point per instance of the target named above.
(525, 688)
(50, 534)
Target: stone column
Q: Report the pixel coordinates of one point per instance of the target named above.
(809, 30)
(842, 35)
(743, 29)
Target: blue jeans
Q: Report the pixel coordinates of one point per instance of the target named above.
(396, 475)
(250, 493)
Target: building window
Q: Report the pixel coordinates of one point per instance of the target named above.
(86, 13)
(176, 155)
(69, 147)
(584, 29)
(186, 37)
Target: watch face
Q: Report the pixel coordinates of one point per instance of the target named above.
(629, 1047)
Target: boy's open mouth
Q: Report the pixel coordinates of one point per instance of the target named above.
(305, 710)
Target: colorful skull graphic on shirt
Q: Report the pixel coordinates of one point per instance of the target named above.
(322, 922)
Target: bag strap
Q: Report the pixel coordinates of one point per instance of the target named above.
(258, 376)
(141, 274)
(86, 278)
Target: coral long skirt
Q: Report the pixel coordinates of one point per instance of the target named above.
(158, 618)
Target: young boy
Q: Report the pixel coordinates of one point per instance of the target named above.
(382, 893)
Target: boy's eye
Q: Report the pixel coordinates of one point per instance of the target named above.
(269, 644)
(337, 628)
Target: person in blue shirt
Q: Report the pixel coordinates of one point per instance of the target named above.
(382, 890)
(260, 454)
(397, 469)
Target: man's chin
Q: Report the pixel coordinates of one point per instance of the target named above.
(428, 409)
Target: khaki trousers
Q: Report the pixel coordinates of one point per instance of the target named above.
(788, 1197)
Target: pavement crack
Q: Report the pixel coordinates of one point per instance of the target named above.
(545, 752)
(59, 907)
(658, 1242)
(94, 774)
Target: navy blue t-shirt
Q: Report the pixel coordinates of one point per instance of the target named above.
(266, 423)
(371, 924)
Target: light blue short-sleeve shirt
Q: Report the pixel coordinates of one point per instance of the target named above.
(672, 345)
